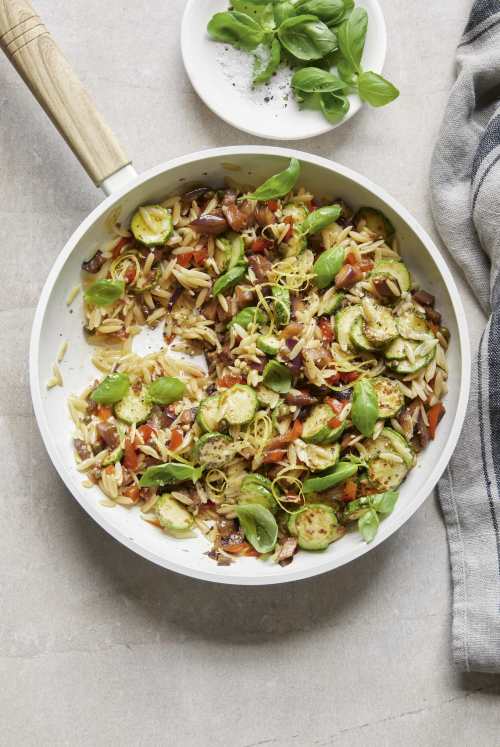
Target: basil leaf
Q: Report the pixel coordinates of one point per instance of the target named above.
(105, 292)
(112, 389)
(259, 526)
(264, 74)
(329, 11)
(340, 473)
(278, 185)
(166, 389)
(238, 29)
(334, 107)
(375, 90)
(277, 377)
(307, 38)
(316, 80)
(365, 412)
(345, 71)
(351, 37)
(320, 219)
(247, 316)
(283, 10)
(260, 10)
(327, 265)
(368, 525)
(384, 503)
(169, 474)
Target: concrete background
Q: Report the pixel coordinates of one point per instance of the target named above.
(98, 646)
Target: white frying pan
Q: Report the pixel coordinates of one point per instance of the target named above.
(34, 54)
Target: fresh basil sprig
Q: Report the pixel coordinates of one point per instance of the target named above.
(368, 525)
(169, 474)
(278, 185)
(329, 11)
(365, 411)
(375, 90)
(351, 37)
(316, 80)
(263, 73)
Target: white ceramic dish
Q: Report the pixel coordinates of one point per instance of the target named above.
(205, 62)
(53, 322)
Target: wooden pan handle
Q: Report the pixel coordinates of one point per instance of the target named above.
(39, 61)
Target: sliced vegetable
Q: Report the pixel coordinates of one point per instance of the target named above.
(256, 488)
(344, 320)
(213, 450)
(237, 250)
(114, 456)
(259, 526)
(327, 266)
(135, 407)
(166, 389)
(169, 474)
(112, 389)
(358, 337)
(396, 350)
(395, 270)
(434, 416)
(317, 458)
(239, 404)
(277, 377)
(380, 326)
(152, 225)
(268, 398)
(412, 326)
(315, 527)
(269, 344)
(330, 301)
(209, 413)
(172, 515)
(295, 211)
(105, 292)
(375, 222)
(281, 304)
(390, 398)
(249, 316)
(316, 428)
(400, 446)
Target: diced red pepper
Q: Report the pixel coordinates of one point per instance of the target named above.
(228, 381)
(272, 205)
(184, 259)
(258, 246)
(334, 423)
(296, 431)
(348, 376)
(176, 438)
(434, 416)
(200, 256)
(146, 432)
(326, 330)
(333, 380)
(130, 274)
(366, 265)
(336, 405)
(131, 460)
(350, 491)
(104, 413)
(271, 457)
(351, 259)
(133, 492)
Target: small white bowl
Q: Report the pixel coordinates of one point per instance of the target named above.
(221, 76)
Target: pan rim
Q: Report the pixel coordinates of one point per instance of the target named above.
(288, 574)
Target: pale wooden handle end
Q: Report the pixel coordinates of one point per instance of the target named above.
(37, 58)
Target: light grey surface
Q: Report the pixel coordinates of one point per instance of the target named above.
(98, 646)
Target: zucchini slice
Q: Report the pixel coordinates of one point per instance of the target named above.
(374, 221)
(267, 398)
(389, 396)
(315, 527)
(172, 515)
(316, 429)
(237, 250)
(239, 404)
(394, 270)
(256, 488)
(268, 344)
(413, 327)
(380, 325)
(295, 245)
(358, 337)
(396, 350)
(135, 407)
(344, 319)
(213, 450)
(317, 458)
(281, 304)
(113, 457)
(330, 301)
(152, 225)
(400, 445)
(209, 413)
(405, 367)
(386, 475)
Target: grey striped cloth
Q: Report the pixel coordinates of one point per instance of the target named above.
(465, 184)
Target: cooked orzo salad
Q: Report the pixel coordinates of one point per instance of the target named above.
(325, 369)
